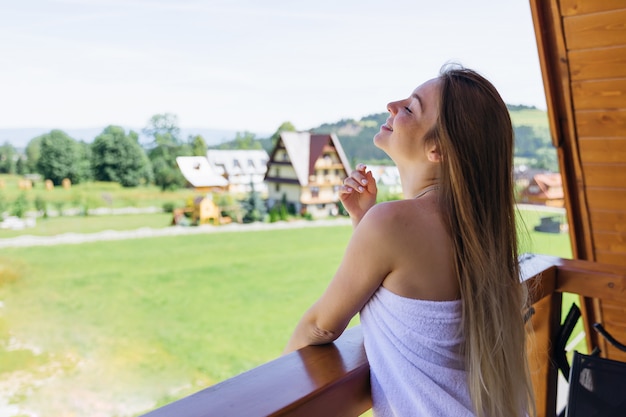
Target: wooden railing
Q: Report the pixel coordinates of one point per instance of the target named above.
(333, 380)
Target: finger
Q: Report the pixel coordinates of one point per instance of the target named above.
(371, 182)
(354, 184)
(345, 190)
(359, 178)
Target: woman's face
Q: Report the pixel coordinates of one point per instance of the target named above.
(402, 136)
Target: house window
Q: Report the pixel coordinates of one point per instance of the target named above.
(277, 187)
(250, 163)
(315, 192)
(236, 163)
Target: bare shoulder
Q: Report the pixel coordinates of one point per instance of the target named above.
(394, 215)
(412, 234)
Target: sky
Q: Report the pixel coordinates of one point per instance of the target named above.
(248, 65)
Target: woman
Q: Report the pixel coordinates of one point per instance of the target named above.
(435, 276)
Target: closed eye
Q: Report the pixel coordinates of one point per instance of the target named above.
(407, 109)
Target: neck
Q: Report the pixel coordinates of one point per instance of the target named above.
(413, 185)
(427, 190)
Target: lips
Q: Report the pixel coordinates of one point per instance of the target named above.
(387, 126)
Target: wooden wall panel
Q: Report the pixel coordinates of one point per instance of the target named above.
(595, 30)
(594, 64)
(606, 199)
(575, 7)
(615, 354)
(602, 150)
(610, 258)
(613, 314)
(605, 175)
(603, 94)
(609, 221)
(601, 123)
(610, 242)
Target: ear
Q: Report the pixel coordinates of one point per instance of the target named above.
(434, 155)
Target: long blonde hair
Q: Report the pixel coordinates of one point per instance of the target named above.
(475, 137)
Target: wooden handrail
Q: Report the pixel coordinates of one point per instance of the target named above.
(333, 380)
(329, 380)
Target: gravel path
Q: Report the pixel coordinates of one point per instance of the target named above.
(77, 238)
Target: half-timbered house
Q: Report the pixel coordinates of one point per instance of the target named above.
(305, 170)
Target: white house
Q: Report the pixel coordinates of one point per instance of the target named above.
(199, 174)
(240, 168)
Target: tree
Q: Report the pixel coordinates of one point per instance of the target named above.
(284, 127)
(253, 206)
(166, 176)
(33, 151)
(20, 166)
(8, 157)
(82, 168)
(198, 145)
(166, 146)
(243, 140)
(163, 128)
(62, 157)
(118, 157)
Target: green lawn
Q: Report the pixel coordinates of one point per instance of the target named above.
(156, 319)
(117, 328)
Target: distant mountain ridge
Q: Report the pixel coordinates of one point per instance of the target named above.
(355, 135)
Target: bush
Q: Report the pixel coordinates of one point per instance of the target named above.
(41, 206)
(274, 215)
(3, 204)
(59, 206)
(278, 212)
(168, 207)
(20, 206)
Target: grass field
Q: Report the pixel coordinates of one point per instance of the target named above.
(530, 117)
(117, 328)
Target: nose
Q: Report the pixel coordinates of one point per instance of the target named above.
(392, 107)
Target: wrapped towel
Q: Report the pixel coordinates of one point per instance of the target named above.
(413, 347)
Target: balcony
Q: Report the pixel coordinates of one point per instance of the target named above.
(333, 380)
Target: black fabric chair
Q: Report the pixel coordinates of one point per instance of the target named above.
(597, 387)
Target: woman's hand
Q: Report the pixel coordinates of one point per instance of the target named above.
(358, 193)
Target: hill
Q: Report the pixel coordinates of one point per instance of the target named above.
(532, 136)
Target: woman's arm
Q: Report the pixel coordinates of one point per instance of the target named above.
(365, 265)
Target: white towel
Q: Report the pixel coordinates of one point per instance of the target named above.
(413, 350)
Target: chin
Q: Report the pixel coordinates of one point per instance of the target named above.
(379, 141)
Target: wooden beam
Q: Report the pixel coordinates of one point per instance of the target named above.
(589, 279)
